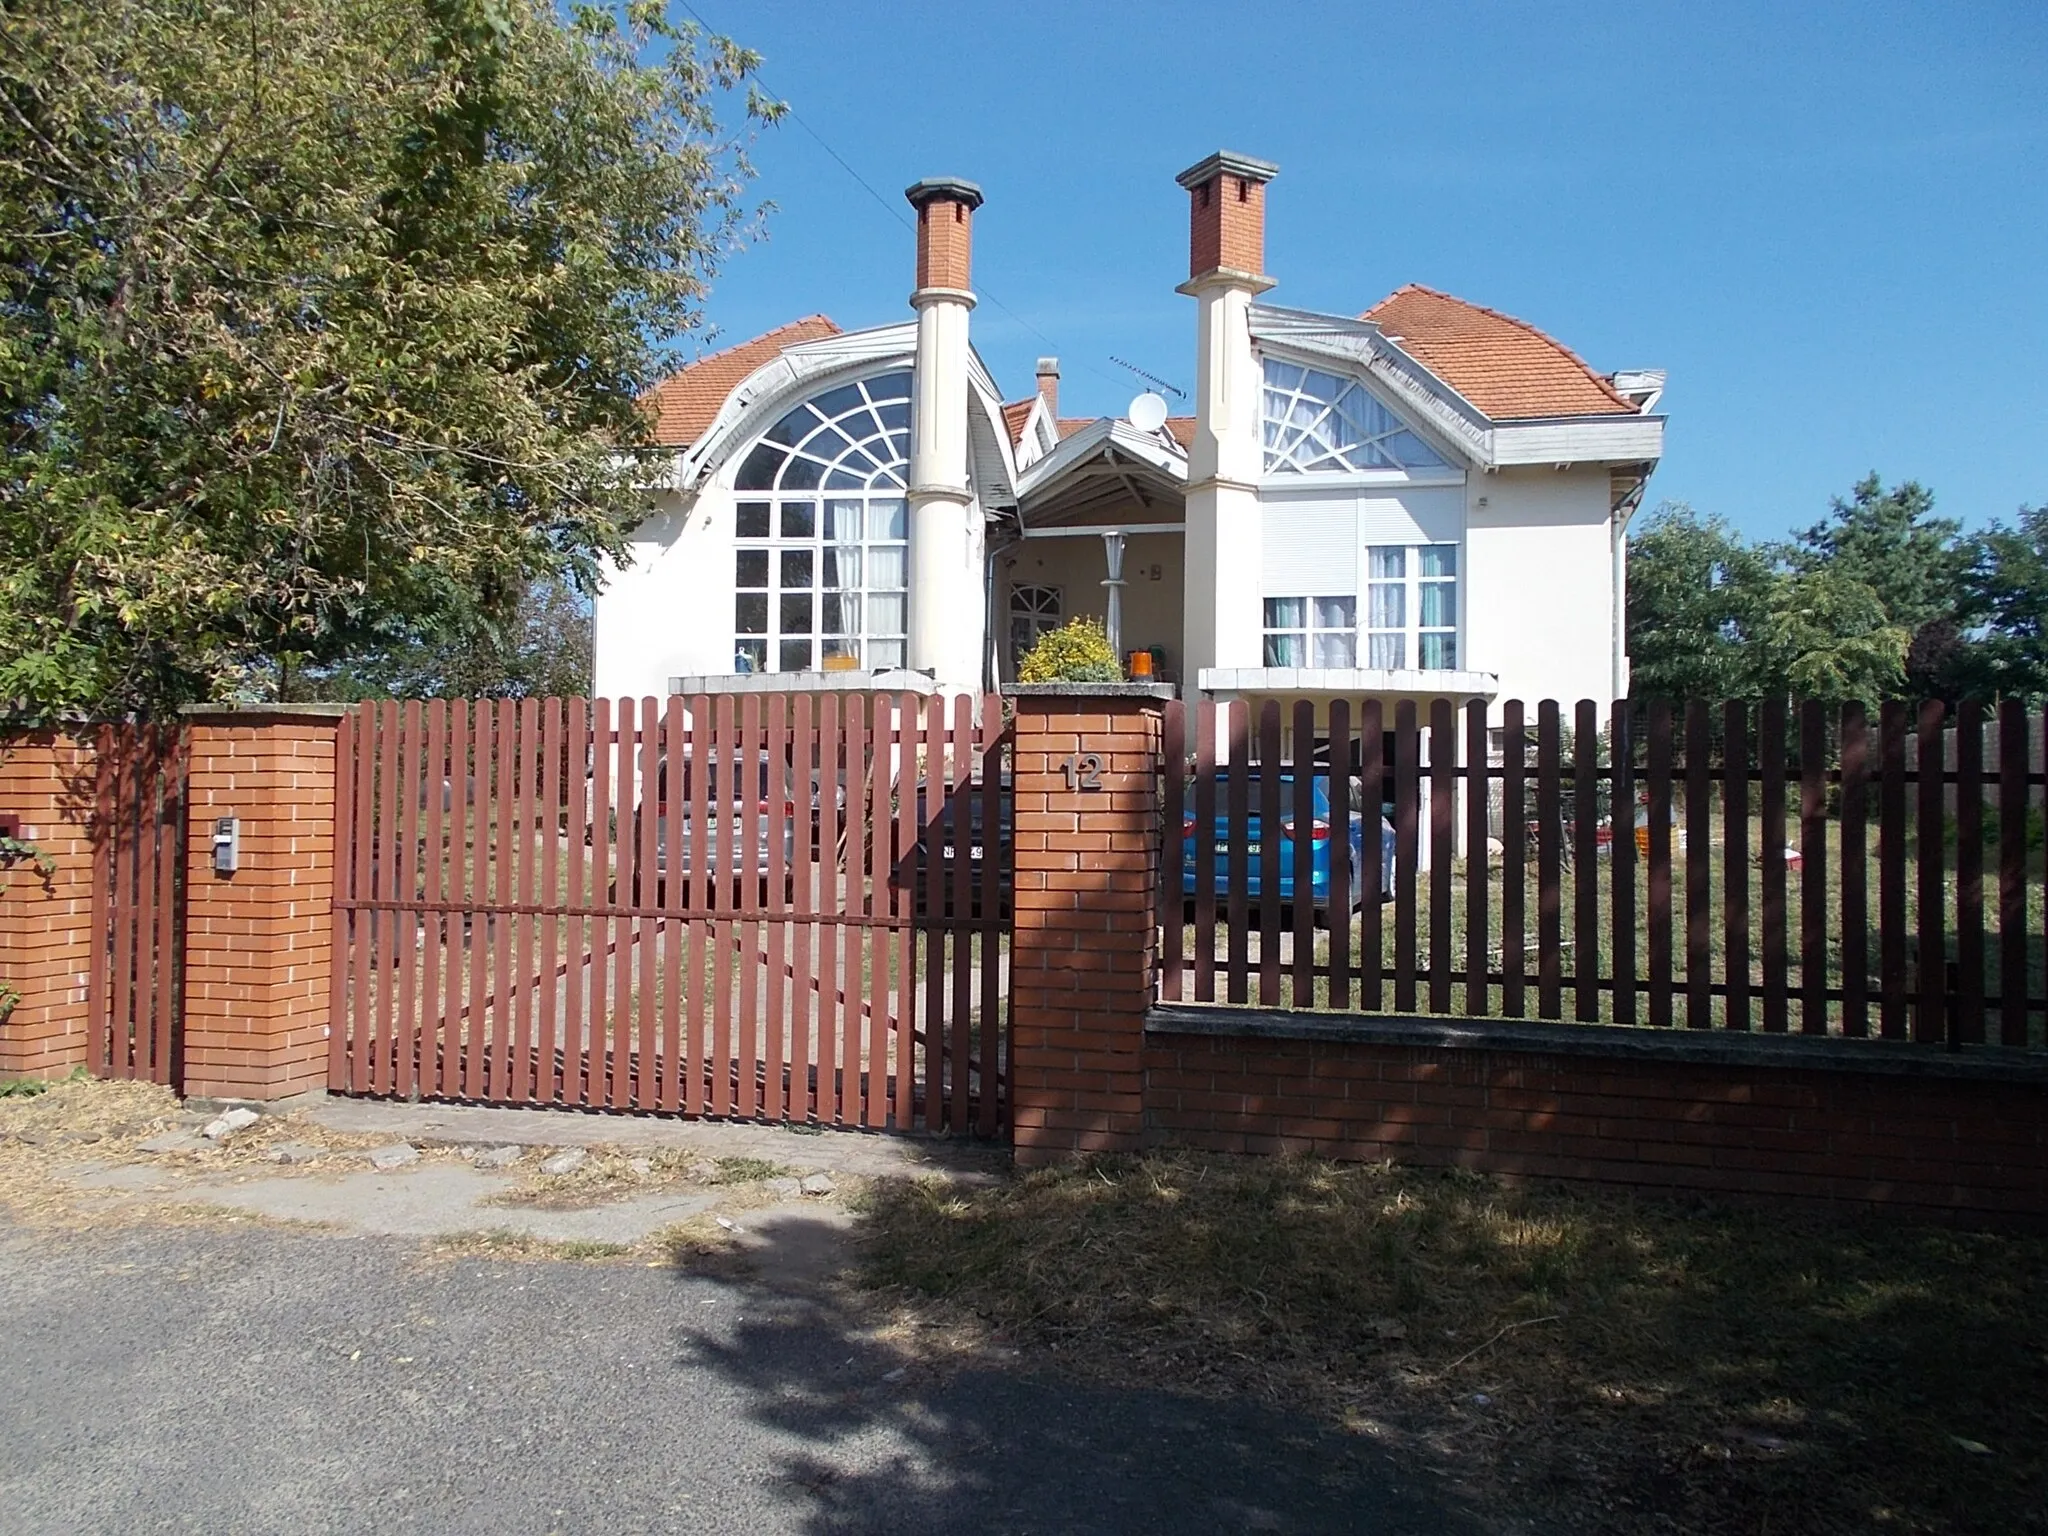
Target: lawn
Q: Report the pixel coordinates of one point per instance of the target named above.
(1583, 1360)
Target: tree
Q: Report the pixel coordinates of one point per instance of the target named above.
(1915, 562)
(1825, 635)
(323, 322)
(540, 648)
(2009, 603)
(1697, 595)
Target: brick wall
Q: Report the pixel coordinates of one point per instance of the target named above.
(945, 238)
(1084, 944)
(1908, 1129)
(259, 942)
(1227, 225)
(46, 924)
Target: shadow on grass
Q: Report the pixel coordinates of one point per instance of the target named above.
(1586, 1360)
(894, 1428)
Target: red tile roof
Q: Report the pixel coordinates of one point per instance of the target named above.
(1180, 428)
(1505, 366)
(687, 401)
(1015, 414)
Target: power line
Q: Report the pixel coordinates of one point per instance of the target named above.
(889, 207)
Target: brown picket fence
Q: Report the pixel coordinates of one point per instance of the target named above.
(764, 906)
(1779, 868)
(134, 989)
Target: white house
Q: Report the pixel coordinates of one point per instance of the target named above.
(1423, 501)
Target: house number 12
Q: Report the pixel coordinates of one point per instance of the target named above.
(1083, 771)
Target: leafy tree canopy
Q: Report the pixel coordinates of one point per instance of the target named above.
(323, 322)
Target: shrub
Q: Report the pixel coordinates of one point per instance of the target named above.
(1077, 652)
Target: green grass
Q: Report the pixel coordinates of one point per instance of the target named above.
(1644, 1366)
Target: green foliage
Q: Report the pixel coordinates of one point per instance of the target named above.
(1881, 599)
(323, 322)
(540, 649)
(1077, 652)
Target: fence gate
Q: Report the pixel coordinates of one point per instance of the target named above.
(766, 906)
(135, 984)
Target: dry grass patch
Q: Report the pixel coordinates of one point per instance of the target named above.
(1593, 1361)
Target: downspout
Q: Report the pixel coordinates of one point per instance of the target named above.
(1623, 511)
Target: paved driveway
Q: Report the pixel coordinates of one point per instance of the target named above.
(256, 1380)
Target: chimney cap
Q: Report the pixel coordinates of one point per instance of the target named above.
(1211, 166)
(950, 189)
(1048, 365)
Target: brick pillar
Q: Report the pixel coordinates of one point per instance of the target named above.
(259, 942)
(46, 788)
(1085, 940)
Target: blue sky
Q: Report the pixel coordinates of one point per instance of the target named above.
(1830, 223)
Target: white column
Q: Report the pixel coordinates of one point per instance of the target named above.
(947, 609)
(1223, 619)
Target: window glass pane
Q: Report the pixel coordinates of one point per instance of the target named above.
(751, 520)
(1386, 606)
(796, 612)
(1386, 651)
(802, 475)
(750, 656)
(886, 520)
(842, 566)
(890, 386)
(1439, 651)
(850, 611)
(799, 519)
(888, 568)
(1336, 650)
(837, 402)
(1439, 605)
(750, 568)
(842, 521)
(1284, 650)
(1385, 561)
(843, 479)
(827, 443)
(831, 614)
(758, 473)
(793, 656)
(796, 570)
(884, 653)
(842, 647)
(1439, 559)
(1286, 613)
(751, 613)
(1336, 612)
(885, 615)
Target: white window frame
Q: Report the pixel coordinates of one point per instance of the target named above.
(1310, 631)
(1411, 631)
(1041, 618)
(855, 460)
(1314, 420)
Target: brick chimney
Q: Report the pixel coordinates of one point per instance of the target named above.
(1227, 214)
(948, 618)
(945, 231)
(1221, 616)
(1049, 385)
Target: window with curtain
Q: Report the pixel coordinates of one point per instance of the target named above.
(1311, 632)
(1411, 606)
(1316, 421)
(821, 534)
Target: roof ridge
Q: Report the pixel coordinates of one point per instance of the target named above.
(1605, 384)
(787, 325)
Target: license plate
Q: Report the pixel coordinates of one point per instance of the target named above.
(1251, 850)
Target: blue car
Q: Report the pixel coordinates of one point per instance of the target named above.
(1213, 851)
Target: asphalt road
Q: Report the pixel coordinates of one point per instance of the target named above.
(256, 1380)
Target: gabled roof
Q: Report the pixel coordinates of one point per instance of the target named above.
(687, 401)
(1504, 366)
(1180, 428)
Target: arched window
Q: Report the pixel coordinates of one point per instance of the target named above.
(1318, 421)
(821, 534)
(1034, 613)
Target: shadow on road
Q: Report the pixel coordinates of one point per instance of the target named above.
(886, 1438)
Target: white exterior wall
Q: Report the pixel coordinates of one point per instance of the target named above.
(1538, 593)
(670, 612)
